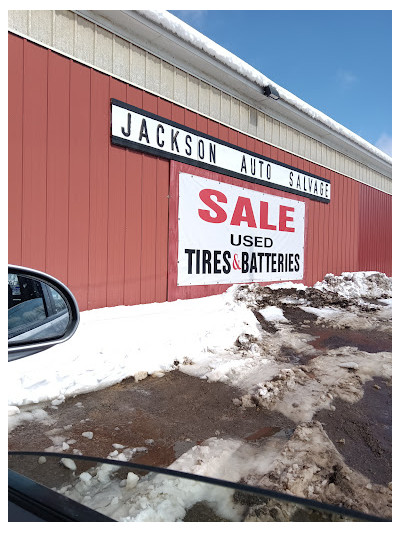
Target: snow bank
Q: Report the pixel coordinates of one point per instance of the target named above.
(357, 285)
(112, 344)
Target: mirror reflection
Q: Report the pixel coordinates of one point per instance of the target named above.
(36, 311)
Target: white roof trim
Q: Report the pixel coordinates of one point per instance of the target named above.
(195, 38)
(175, 41)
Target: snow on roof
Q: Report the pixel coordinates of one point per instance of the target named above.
(200, 41)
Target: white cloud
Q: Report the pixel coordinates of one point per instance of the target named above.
(346, 78)
(384, 143)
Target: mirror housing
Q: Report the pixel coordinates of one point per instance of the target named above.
(42, 312)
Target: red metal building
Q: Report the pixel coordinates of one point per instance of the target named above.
(102, 215)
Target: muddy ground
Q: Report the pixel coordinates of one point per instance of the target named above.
(161, 418)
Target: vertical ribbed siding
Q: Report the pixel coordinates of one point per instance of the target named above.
(15, 146)
(375, 227)
(89, 213)
(96, 215)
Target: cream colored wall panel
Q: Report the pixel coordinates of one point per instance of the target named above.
(288, 137)
(204, 98)
(225, 108)
(41, 25)
(357, 172)
(323, 152)
(275, 132)
(64, 31)
(167, 80)
(153, 73)
(317, 152)
(103, 53)
(252, 121)
(365, 177)
(137, 73)
(295, 141)
(302, 143)
(244, 117)
(291, 133)
(343, 164)
(84, 40)
(362, 172)
(339, 163)
(377, 180)
(121, 58)
(282, 136)
(193, 91)
(352, 168)
(328, 156)
(347, 167)
(260, 125)
(335, 160)
(18, 20)
(307, 147)
(215, 104)
(180, 87)
(235, 113)
(313, 149)
(268, 129)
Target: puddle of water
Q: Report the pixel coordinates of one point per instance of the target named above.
(182, 447)
(262, 433)
(365, 340)
(364, 430)
(266, 432)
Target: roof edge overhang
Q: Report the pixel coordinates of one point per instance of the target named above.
(170, 39)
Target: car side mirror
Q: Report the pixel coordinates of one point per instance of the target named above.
(42, 312)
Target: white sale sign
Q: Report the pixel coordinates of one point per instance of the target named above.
(229, 234)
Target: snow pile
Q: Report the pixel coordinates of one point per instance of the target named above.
(112, 344)
(161, 498)
(305, 464)
(310, 466)
(272, 313)
(348, 288)
(357, 285)
(299, 392)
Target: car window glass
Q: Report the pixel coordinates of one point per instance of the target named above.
(58, 301)
(26, 304)
(36, 311)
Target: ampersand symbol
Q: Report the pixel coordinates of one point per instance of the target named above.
(236, 264)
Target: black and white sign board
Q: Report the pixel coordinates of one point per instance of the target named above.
(229, 234)
(134, 128)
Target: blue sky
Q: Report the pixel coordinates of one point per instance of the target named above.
(340, 62)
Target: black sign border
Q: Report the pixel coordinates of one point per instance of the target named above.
(126, 143)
